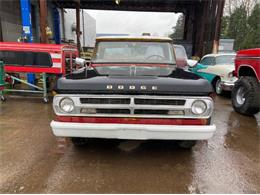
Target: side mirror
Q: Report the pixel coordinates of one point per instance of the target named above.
(192, 63)
(80, 61)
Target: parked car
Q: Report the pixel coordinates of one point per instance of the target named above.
(134, 90)
(246, 92)
(218, 70)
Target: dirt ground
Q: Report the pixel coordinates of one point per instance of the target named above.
(32, 160)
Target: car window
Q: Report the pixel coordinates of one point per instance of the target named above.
(208, 61)
(26, 58)
(225, 59)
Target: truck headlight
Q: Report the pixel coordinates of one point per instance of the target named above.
(67, 105)
(198, 107)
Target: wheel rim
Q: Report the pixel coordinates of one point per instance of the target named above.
(218, 87)
(240, 96)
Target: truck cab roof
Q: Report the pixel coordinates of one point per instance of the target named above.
(134, 38)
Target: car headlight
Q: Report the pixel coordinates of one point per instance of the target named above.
(198, 107)
(67, 105)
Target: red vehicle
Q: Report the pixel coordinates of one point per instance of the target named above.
(46, 59)
(246, 92)
(38, 58)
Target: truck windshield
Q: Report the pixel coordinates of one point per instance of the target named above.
(134, 52)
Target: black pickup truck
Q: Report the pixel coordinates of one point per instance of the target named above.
(133, 89)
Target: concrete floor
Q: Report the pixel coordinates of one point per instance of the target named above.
(32, 160)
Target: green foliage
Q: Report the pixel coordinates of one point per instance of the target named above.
(178, 30)
(252, 38)
(244, 29)
(224, 27)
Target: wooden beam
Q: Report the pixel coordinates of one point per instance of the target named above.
(221, 4)
(200, 27)
(43, 20)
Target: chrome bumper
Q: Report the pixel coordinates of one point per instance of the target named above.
(227, 85)
(133, 131)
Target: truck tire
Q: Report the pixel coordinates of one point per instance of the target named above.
(245, 96)
(79, 141)
(186, 144)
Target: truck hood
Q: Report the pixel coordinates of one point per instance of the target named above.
(180, 82)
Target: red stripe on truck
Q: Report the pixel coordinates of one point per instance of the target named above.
(79, 119)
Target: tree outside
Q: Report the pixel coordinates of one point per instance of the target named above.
(178, 30)
(241, 23)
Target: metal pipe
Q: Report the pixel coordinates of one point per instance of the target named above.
(29, 84)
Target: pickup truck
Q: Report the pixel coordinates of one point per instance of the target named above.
(133, 89)
(246, 92)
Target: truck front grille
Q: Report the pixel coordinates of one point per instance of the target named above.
(135, 106)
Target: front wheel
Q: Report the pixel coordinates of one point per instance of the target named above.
(218, 87)
(186, 144)
(245, 96)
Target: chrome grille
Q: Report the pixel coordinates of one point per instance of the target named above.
(135, 106)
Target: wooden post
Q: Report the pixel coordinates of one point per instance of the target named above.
(221, 4)
(203, 29)
(186, 27)
(43, 20)
(78, 26)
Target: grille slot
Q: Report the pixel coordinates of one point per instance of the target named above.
(151, 112)
(159, 102)
(112, 111)
(105, 100)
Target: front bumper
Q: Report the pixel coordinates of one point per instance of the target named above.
(133, 131)
(227, 85)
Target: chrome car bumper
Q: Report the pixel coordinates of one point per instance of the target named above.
(227, 85)
(133, 131)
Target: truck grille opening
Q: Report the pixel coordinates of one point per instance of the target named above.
(132, 106)
(105, 100)
(159, 102)
(151, 112)
(112, 111)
